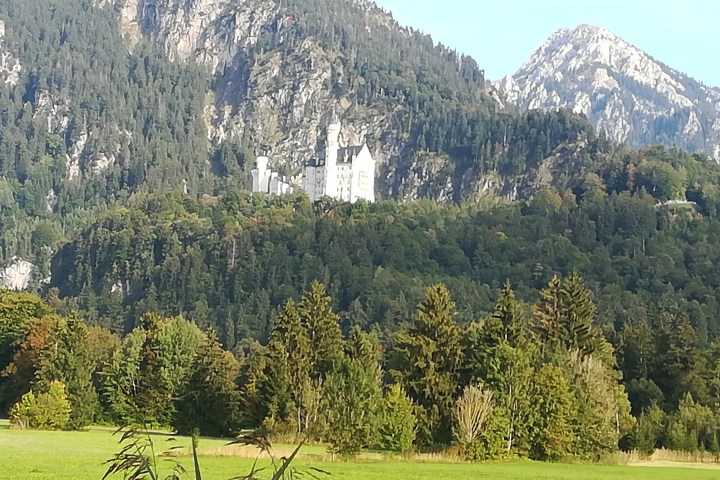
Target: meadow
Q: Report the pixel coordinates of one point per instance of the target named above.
(37, 455)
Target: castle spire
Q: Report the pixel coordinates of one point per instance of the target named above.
(334, 119)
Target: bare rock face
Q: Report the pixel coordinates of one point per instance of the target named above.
(17, 274)
(209, 32)
(10, 66)
(624, 91)
(281, 103)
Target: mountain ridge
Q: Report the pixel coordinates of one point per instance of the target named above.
(620, 88)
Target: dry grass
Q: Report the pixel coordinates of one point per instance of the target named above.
(315, 452)
(683, 457)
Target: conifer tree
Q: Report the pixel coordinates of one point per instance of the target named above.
(499, 356)
(154, 397)
(678, 359)
(209, 398)
(289, 361)
(429, 357)
(323, 329)
(290, 345)
(350, 405)
(564, 317)
(397, 423)
(507, 323)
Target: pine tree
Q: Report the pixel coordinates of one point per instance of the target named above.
(290, 345)
(209, 398)
(289, 362)
(350, 406)
(499, 356)
(678, 360)
(429, 357)
(323, 329)
(154, 396)
(397, 424)
(507, 322)
(564, 317)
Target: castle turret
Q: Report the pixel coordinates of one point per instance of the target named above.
(261, 175)
(331, 152)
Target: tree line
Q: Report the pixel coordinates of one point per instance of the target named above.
(534, 380)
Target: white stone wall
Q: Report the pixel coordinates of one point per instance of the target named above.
(363, 177)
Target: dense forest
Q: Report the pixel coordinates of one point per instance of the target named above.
(536, 380)
(231, 261)
(246, 266)
(89, 123)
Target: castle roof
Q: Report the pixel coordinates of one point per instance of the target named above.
(348, 154)
(345, 155)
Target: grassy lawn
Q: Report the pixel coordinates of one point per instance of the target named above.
(80, 456)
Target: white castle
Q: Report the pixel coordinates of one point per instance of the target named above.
(267, 181)
(346, 173)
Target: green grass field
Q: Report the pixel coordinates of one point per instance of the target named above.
(80, 456)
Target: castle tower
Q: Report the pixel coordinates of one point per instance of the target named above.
(331, 150)
(260, 175)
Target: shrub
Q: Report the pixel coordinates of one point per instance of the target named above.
(474, 427)
(397, 422)
(47, 411)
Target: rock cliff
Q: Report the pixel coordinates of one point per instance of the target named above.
(276, 79)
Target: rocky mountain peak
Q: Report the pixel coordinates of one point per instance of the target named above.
(623, 90)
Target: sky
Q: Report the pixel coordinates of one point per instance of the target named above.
(502, 34)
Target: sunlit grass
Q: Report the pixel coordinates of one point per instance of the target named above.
(37, 455)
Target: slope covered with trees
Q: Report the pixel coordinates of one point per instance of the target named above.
(89, 121)
(233, 262)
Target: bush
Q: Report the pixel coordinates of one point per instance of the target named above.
(475, 425)
(47, 411)
(397, 422)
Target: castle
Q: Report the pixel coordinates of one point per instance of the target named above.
(267, 181)
(344, 173)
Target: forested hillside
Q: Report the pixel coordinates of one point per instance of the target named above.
(92, 114)
(232, 262)
(86, 124)
(582, 272)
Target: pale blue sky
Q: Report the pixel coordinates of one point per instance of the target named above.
(502, 34)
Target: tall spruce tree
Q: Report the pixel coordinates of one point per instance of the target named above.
(209, 397)
(323, 329)
(508, 322)
(499, 356)
(564, 317)
(350, 405)
(429, 356)
(154, 396)
(289, 363)
(678, 359)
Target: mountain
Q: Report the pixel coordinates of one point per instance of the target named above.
(621, 89)
(434, 124)
(102, 100)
